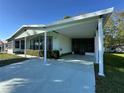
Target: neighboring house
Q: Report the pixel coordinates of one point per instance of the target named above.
(76, 34)
(3, 46)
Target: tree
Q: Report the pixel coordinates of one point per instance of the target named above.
(114, 30)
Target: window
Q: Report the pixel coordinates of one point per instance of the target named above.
(31, 44)
(35, 43)
(16, 44)
(10, 45)
(49, 43)
(22, 44)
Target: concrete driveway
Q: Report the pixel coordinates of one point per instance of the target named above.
(62, 76)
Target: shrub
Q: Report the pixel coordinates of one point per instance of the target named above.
(55, 54)
(50, 54)
(41, 53)
(32, 52)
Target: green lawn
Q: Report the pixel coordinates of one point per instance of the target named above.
(6, 59)
(113, 82)
(4, 56)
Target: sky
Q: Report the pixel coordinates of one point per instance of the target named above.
(15, 13)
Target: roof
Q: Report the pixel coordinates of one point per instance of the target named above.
(24, 27)
(64, 21)
(2, 42)
(84, 16)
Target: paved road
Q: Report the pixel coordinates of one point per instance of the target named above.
(33, 76)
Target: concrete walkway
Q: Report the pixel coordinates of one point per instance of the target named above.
(32, 76)
(27, 56)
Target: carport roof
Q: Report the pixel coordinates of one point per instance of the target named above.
(84, 16)
(59, 25)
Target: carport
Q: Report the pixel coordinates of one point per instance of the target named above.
(84, 26)
(85, 31)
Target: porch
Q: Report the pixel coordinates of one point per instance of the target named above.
(34, 42)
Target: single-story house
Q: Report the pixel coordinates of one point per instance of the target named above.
(71, 35)
(3, 46)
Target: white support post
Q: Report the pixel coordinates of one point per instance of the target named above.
(45, 47)
(25, 47)
(100, 42)
(20, 44)
(13, 45)
(39, 47)
(96, 47)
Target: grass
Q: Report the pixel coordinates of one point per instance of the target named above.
(113, 82)
(4, 56)
(6, 59)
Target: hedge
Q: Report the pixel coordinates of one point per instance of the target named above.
(50, 54)
(32, 52)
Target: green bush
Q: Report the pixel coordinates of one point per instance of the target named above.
(41, 53)
(32, 52)
(50, 54)
(55, 54)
